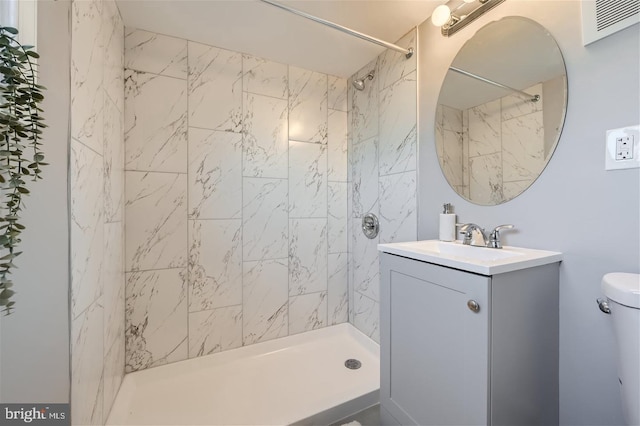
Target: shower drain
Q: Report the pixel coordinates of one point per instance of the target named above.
(352, 364)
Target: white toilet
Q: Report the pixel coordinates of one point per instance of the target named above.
(623, 294)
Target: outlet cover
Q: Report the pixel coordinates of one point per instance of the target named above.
(622, 148)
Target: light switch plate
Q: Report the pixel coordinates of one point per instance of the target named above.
(622, 148)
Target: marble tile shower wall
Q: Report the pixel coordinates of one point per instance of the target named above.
(483, 150)
(97, 209)
(383, 167)
(236, 199)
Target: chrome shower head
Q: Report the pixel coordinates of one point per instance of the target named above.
(359, 83)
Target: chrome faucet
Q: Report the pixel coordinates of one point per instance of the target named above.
(474, 235)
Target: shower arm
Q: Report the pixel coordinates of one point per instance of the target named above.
(407, 52)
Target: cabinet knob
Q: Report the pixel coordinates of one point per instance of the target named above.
(473, 305)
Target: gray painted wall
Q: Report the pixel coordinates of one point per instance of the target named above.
(34, 342)
(576, 207)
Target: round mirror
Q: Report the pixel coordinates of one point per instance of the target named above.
(501, 110)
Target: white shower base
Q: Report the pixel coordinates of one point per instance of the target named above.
(298, 379)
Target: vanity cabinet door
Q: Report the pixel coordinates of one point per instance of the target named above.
(434, 348)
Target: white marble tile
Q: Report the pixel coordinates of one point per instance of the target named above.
(264, 77)
(156, 318)
(337, 96)
(215, 88)
(350, 257)
(351, 290)
(307, 179)
(156, 218)
(364, 106)
(338, 293)
(215, 263)
(465, 148)
(484, 129)
(265, 142)
(523, 147)
(337, 236)
(155, 123)
(86, 226)
(337, 143)
(485, 180)
(366, 275)
(395, 65)
(113, 33)
(516, 105)
(511, 190)
(215, 330)
(438, 120)
(87, 381)
(452, 161)
(87, 70)
(307, 256)
(113, 373)
(364, 175)
(439, 135)
(464, 191)
(265, 301)
(155, 53)
(307, 105)
(398, 208)
(215, 174)
(398, 125)
(307, 312)
(452, 118)
(264, 219)
(113, 162)
(114, 292)
(366, 316)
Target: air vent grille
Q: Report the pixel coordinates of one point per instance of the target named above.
(610, 12)
(601, 18)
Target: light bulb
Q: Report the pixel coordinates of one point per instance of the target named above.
(441, 15)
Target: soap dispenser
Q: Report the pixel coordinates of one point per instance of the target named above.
(447, 223)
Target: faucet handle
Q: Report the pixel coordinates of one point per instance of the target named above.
(494, 236)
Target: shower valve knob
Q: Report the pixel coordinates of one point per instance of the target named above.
(370, 225)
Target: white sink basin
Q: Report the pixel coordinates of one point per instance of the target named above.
(481, 260)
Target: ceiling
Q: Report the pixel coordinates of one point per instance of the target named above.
(259, 29)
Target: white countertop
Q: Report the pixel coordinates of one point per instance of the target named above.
(481, 260)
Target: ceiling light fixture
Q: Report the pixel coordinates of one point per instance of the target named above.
(457, 14)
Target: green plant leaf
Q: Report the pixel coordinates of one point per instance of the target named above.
(20, 128)
(6, 294)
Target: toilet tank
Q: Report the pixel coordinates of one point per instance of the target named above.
(623, 292)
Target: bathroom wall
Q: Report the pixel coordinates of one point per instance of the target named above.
(236, 199)
(480, 148)
(34, 339)
(383, 173)
(576, 207)
(97, 208)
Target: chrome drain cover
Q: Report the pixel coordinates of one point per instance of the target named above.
(352, 364)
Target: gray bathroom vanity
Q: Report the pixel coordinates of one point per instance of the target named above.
(469, 336)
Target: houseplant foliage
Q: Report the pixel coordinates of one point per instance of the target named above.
(21, 158)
